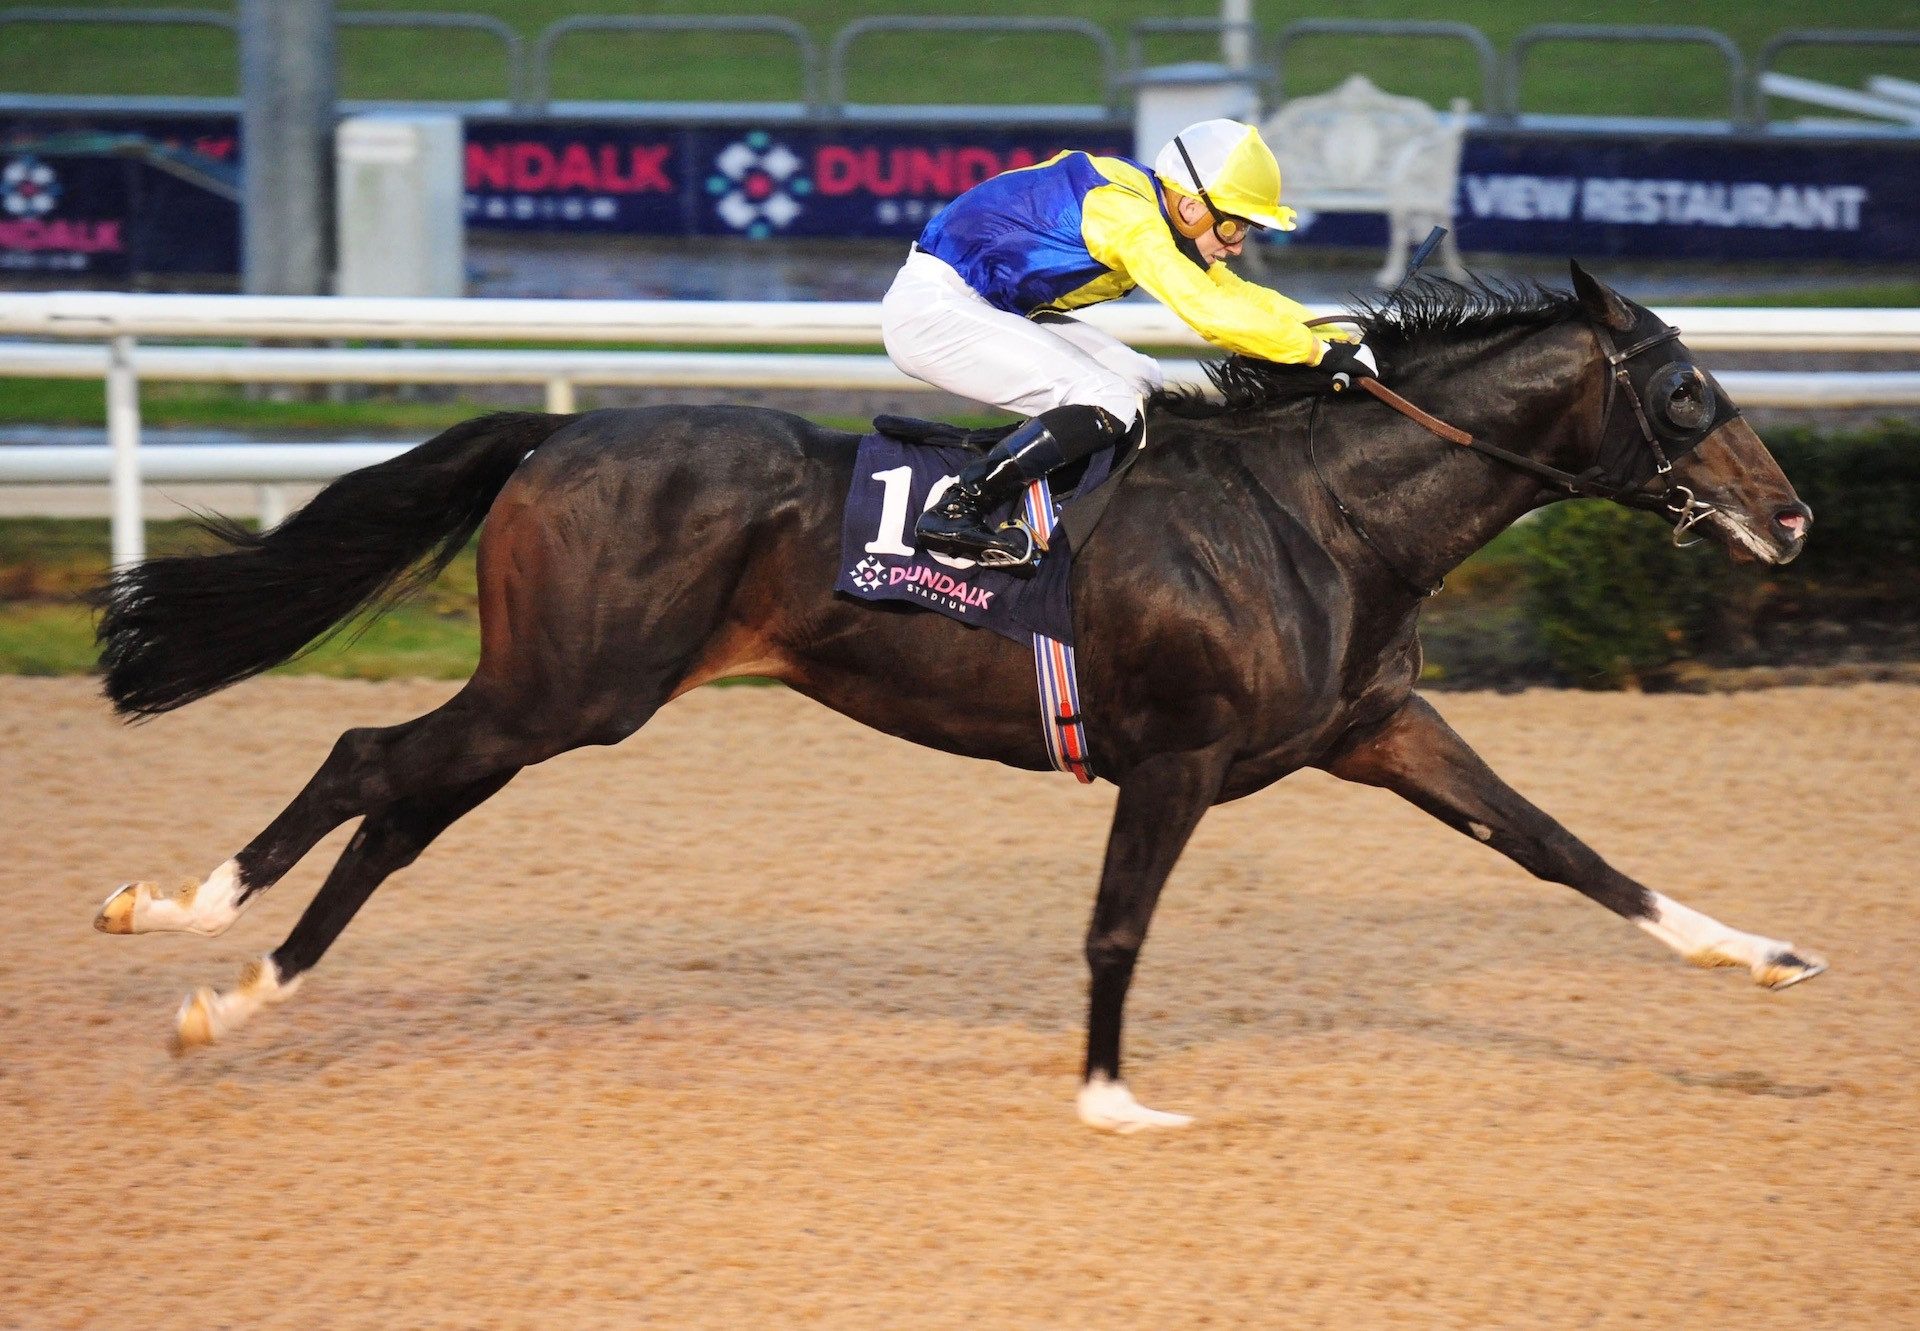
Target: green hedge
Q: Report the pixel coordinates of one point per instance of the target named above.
(1610, 602)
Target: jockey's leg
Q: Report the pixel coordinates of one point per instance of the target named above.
(959, 524)
(1142, 372)
(1083, 387)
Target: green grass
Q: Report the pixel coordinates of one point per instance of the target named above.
(1891, 294)
(45, 638)
(1560, 77)
(219, 406)
(56, 638)
(47, 565)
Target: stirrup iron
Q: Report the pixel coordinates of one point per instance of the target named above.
(1001, 559)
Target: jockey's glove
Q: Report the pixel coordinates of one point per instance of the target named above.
(1343, 362)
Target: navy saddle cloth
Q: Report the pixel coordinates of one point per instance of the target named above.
(880, 560)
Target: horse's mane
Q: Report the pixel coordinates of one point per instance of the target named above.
(1403, 327)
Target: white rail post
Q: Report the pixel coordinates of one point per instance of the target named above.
(560, 400)
(273, 506)
(123, 436)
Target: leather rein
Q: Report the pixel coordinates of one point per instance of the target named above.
(1593, 483)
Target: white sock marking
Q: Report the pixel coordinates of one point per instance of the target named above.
(207, 1016)
(208, 908)
(1109, 1105)
(1701, 938)
(1705, 941)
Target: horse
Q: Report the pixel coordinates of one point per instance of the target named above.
(1246, 607)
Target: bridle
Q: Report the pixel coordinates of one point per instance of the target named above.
(1671, 382)
(1687, 408)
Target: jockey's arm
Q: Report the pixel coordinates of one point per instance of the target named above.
(1126, 232)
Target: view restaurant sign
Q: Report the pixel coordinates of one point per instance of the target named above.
(1675, 197)
(741, 180)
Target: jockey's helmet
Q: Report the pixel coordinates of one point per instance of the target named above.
(1228, 167)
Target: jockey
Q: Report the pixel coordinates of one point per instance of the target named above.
(979, 307)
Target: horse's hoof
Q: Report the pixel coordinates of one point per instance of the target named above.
(194, 1025)
(1786, 968)
(116, 915)
(207, 1016)
(206, 908)
(1110, 1106)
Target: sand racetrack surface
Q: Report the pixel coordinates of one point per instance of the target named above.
(763, 1019)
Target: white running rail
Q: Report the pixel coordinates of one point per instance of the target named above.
(102, 315)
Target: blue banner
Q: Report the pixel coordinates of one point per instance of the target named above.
(746, 180)
(68, 206)
(83, 195)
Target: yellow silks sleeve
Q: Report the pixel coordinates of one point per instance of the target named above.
(1124, 230)
(1283, 309)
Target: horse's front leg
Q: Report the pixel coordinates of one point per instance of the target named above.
(1417, 755)
(1161, 802)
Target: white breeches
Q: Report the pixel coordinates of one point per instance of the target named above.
(937, 329)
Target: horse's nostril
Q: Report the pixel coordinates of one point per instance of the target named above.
(1792, 521)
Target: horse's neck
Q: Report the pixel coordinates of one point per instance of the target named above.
(1429, 503)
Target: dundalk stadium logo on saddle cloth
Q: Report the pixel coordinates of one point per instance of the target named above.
(758, 184)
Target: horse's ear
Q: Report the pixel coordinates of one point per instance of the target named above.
(1600, 302)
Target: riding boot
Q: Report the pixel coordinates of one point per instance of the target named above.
(958, 525)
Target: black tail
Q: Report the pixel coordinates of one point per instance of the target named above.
(176, 629)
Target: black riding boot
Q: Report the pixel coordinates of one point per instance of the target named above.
(957, 525)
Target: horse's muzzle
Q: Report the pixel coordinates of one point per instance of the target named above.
(1790, 525)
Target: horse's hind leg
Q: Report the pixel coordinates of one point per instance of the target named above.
(388, 841)
(581, 641)
(501, 721)
(1418, 756)
(471, 737)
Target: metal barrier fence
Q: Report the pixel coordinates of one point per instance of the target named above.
(529, 68)
(1765, 81)
(1638, 33)
(1484, 54)
(540, 82)
(118, 320)
(1084, 29)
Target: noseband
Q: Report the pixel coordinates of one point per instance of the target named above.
(1687, 407)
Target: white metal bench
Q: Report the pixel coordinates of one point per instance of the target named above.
(1360, 150)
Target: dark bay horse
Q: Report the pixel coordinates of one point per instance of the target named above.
(1247, 607)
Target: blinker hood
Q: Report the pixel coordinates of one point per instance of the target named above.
(1675, 405)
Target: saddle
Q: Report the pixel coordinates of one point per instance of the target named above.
(941, 434)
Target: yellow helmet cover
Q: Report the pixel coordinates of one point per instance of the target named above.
(1235, 169)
